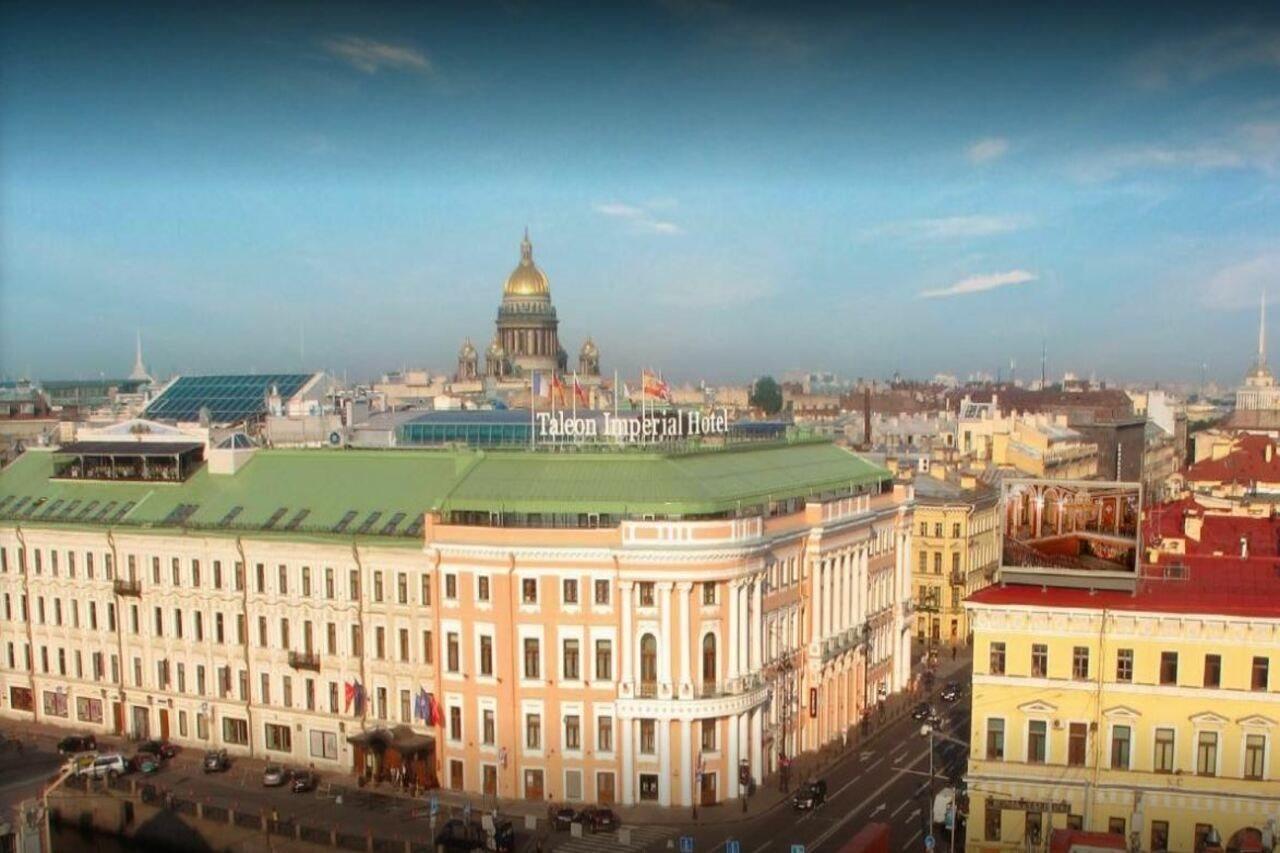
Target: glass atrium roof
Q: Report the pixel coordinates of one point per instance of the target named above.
(230, 399)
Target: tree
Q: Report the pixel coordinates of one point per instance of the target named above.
(766, 395)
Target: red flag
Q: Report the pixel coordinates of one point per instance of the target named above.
(580, 392)
(557, 388)
(350, 692)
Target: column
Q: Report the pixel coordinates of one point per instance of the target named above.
(744, 745)
(757, 745)
(687, 792)
(627, 639)
(664, 762)
(851, 574)
(744, 628)
(757, 625)
(732, 772)
(815, 602)
(731, 641)
(829, 598)
(663, 591)
(627, 730)
(683, 590)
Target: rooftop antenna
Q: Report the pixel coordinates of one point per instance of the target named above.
(1044, 354)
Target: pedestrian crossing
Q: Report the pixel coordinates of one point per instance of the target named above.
(643, 838)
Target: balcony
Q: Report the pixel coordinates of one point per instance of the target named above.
(957, 577)
(132, 588)
(666, 700)
(305, 660)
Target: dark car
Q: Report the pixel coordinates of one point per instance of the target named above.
(462, 836)
(162, 748)
(305, 781)
(810, 796)
(562, 817)
(145, 762)
(598, 819)
(923, 711)
(951, 692)
(73, 744)
(216, 761)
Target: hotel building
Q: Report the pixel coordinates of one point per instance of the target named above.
(615, 625)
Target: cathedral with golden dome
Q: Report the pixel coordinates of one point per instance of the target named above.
(527, 338)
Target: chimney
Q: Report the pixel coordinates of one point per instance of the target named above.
(1267, 453)
(867, 418)
(1244, 545)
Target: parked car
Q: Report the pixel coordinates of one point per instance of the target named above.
(951, 692)
(71, 744)
(162, 748)
(458, 836)
(105, 766)
(275, 775)
(305, 781)
(216, 761)
(597, 819)
(923, 711)
(810, 796)
(145, 762)
(562, 817)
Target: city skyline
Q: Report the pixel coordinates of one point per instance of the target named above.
(1105, 184)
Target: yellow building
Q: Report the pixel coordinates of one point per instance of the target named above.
(957, 548)
(1151, 714)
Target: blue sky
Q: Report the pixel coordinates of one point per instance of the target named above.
(715, 189)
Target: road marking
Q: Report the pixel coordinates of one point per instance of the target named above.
(852, 813)
(902, 805)
(914, 814)
(911, 840)
(857, 778)
(878, 809)
(763, 847)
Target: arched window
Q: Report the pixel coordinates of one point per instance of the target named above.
(648, 659)
(709, 661)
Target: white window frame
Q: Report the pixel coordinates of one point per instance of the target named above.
(487, 703)
(527, 707)
(574, 708)
(524, 632)
(599, 710)
(574, 632)
(487, 629)
(455, 700)
(1048, 739)
(1245, 732)
(448, 626)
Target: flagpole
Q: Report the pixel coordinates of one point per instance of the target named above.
(575, 395)
(533, 381)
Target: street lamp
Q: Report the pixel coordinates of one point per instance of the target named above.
(784, 670)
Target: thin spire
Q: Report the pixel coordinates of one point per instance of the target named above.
(1262, 333)
(526, 248)
(139, 369)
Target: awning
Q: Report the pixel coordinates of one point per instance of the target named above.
(407, 742)
(377, 738)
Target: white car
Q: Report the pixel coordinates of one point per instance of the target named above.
(105, 766)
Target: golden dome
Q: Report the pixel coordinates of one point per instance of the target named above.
(526, 279)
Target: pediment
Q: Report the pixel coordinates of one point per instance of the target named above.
(1121, 712)
(1256, 721)
(1037, 706)
(1208, 718)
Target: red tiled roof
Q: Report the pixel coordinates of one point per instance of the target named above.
(1220, 534)
(1222, 586)
(1246, 463)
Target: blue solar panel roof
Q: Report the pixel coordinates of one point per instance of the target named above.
(229, 398)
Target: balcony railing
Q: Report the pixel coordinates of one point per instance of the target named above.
(305, 660)
(127, 587)
(957, 577)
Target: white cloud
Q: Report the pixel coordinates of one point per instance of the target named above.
(1239, 285)
(371, 56)
(640, 217)
(949, 227)
(987, 150)
(1206, 56)
(979, 284)
(1249, 146)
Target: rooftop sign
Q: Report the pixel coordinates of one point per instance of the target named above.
(649, 427)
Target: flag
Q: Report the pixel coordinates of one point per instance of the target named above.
(350, 693)
(541, 388)
(655, 388)
(420, 710)
(580, 391)
(433, 711)
(359, 698)
(557, 388)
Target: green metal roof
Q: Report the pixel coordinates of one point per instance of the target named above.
(319, 489)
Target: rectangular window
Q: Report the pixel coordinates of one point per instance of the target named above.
(1077, 744)
(404, 645)
(604, 734)
(604, 660)
(486, 655)
(1261, 673)
(402, 588)
(261, 577)
(1213, 670)
(425, 592)
(278, 738)
(377, 587)
(195, 573)
(1162, 757)
(356, 646)
(996, 666)
(1207, 754)
(286, 684)
(1115, 826)
(529, 590)
(924, 561)
(1037, 736)
(1120, 747)
(380, 642)
(324, 745)
(406, 710)
(482, 588)
(991, 824)
(234, 731)
(176, 571)
(937, 562)
(533, 731)
(569, 592)
(452, 654)
(1159, 836)
(995, 739)
(572, 732)
(1080, 663)
(1168, 667)
(570, 660)
(709, 593)
(532, 667)
(646, 594)
(648, 737)
(353, 585)
(1039, 660)
(708, 735)
(217, 574)
(602, 592)
(450, 587)
(428, 647)
(1124, 665)
(1255, 754)
(488, 727)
